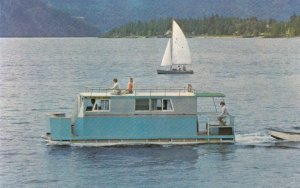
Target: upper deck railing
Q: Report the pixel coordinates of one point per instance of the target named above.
(142, 92)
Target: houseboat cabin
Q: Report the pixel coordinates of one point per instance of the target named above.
(147, 116)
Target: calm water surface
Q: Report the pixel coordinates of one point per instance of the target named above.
(261, 78)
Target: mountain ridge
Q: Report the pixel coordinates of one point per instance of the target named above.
(33, 18)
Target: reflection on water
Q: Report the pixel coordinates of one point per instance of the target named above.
(134, 155)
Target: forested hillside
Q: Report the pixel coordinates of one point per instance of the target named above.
(212, 26)
(108, 14)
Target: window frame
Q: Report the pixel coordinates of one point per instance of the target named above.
(142, 110)
(162, 105)
(109, 105)
(171, 103)
(157, 110)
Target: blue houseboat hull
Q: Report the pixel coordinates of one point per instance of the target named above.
(136, 130)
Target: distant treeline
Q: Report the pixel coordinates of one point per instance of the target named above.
(212, 26)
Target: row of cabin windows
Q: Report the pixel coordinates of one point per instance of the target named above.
(140, 105)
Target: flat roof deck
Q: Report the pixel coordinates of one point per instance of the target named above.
(99, 92)
(108, 94)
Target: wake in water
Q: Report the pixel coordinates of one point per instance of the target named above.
(265, 140)
(254, 138)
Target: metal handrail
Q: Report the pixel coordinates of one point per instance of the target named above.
(212, 118)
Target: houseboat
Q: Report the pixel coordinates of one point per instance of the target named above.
(146, 116)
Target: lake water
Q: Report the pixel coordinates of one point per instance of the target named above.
(260, 77)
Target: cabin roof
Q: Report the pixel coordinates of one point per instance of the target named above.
(137, 94)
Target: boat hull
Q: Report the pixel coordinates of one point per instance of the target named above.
(284, 135)
(174, 72)
(136, 130)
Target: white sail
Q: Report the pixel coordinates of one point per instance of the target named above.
(167, 61)
(180, 48)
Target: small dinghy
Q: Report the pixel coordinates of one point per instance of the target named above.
(285, 135)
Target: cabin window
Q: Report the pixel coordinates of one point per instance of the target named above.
(156, 104)
(89, 104)
(101, 105)
(161, 104)
(141, 104)
(167, 104)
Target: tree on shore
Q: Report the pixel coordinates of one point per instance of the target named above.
(214, 25)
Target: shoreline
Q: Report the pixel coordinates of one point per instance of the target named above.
(223, 36)
(157, 37)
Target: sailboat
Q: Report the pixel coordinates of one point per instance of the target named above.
(177, 54)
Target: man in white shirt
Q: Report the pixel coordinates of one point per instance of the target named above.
(224, 113)
(115, 89)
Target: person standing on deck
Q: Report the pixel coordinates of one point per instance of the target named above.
(224, 113)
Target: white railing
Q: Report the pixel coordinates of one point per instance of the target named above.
(211, 118)
(149, 92)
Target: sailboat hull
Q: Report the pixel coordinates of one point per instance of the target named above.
(174, 71)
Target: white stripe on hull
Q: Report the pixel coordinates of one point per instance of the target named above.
(138, 142)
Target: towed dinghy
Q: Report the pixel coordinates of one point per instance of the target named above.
(285, 135)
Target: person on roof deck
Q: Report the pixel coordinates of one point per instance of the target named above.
(116, 88)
